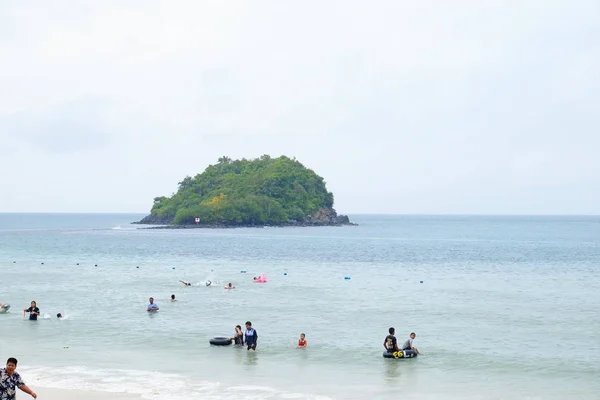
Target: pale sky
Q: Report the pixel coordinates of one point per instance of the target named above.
(452, 107)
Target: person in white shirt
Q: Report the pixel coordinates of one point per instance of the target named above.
(408, 345)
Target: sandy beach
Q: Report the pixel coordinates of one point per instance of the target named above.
(68, 394)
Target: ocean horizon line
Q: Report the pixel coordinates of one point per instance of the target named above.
(349, 214)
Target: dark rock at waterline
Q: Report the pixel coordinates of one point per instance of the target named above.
(322, 217)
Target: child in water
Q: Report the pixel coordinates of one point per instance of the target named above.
(302, 341)
(238, 339)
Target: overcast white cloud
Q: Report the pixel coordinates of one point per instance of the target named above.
(466, 106)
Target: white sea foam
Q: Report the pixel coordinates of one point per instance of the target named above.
(151, 385)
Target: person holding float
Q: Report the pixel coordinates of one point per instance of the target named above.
(238, 339)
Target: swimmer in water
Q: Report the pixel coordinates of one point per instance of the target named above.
(185, 283)
(229, 286)
(408, 345)
(390, 343)
(208, 283)
(238, 339)
(152, 307)
(302, 341)
(59, 316)
(173, 298)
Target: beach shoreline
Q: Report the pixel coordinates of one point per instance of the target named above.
(46, 393)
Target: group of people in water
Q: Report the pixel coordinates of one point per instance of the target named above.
(209, 283)
(34, 311)
(249, 337)
(390, 344)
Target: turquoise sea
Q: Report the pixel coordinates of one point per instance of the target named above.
(508, 307)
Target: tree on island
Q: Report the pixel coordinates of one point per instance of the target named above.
(262, 191)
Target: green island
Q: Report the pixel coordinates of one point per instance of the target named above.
(264, 191)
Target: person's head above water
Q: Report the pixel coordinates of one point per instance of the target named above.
(59, 315)
(302, 336)
(391, 331)
(172, 297)
(413, 335)
(230, 284)
(33, 304)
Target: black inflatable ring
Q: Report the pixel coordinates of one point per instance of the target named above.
(220, 341)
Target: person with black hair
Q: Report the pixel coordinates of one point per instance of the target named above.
(408, 345)
(238, 339)
(251, 336)
(33, 311)
(390, 344)
(10, 380)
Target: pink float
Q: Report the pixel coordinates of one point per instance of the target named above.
(261, 279)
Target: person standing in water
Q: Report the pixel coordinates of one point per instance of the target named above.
(251, 336)
(238, 339)
(302, 342)
(33, 311)
(152, 307)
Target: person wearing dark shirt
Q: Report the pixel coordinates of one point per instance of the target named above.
(251, 336)
(390, 344)
(238, 339)
(33, 311)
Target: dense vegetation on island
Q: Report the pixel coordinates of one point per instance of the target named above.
(263, 191)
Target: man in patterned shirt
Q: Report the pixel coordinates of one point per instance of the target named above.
(10, 380)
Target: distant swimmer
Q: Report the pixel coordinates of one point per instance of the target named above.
(208, 283)
(33, 311)
(152, 307)
(229, 286)
(185, 283)
(390, 344)
(59, 316)
(173, 298)
(408, 345)
(302, 342)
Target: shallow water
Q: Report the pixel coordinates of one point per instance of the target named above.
(507, 308)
